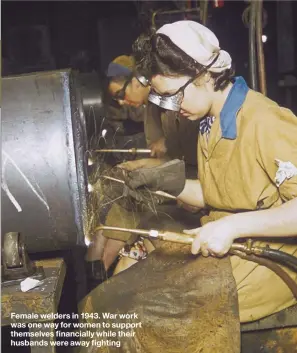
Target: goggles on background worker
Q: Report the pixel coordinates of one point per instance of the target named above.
(120, 94)
(173, 101)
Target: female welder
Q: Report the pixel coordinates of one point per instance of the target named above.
(247, 158)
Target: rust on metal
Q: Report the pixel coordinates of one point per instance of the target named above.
(40, 300)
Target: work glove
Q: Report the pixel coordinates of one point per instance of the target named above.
(169, 177)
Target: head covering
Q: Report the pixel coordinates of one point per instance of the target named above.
(198, 42)
(121, 66)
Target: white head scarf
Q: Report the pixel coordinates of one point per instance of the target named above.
(198, 42)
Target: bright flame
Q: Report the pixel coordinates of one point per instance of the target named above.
(87, 241)
(264, 38)
(104, 131)
(90, 188)
(90, 161)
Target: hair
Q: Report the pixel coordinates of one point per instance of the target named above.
(156, 54)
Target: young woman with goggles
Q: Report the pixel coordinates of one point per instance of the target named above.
(247, 158)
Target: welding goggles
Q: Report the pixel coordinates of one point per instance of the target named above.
(173, 101)
(120, 95)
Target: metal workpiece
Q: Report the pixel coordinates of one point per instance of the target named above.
(92, 95)
(44, 174)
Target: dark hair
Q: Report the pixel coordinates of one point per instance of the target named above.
(157, 54)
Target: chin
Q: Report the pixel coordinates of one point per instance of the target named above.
(193, 117)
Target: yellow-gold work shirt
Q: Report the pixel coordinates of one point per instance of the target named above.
(237, 174)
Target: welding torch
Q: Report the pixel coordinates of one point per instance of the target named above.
(172, 237)
(247, 247)
(262, 255)
(175, 237)
(158, 193)
(130, 150)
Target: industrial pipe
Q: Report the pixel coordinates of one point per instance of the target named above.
(252, 45)
(260, 50)
(44, 167)
(203, 11)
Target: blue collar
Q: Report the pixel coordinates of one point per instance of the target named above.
(233, 103)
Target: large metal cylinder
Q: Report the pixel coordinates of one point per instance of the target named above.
(91, 85)
(44, 175)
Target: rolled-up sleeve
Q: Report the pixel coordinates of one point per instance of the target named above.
(276, 149)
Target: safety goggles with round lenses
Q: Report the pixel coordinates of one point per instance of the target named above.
(173, 101)
(120, 94)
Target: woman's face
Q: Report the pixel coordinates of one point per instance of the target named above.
(197, 99)
(135, 94)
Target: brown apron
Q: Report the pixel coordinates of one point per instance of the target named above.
(184, 303)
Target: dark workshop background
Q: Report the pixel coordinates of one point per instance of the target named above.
(85, 35)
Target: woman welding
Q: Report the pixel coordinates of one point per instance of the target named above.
(247, 158)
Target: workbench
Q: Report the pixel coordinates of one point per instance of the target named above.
(40, 300)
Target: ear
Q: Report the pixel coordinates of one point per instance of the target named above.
(207, 77)
(202, 80)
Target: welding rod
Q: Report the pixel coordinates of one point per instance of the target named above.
(159, 193)
(130, 150)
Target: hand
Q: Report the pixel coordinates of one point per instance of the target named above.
(214, 238)
(158, 148)
(141, 163)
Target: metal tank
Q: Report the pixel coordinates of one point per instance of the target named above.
(44, 160)
(91, 86)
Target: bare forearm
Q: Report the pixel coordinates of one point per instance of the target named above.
(192, 194)
(275, 222)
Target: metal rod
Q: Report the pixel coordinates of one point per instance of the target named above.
(260, 50)
(252, 46)
(159, 193)
(130, 150)
(172, 237)
(126, 230)
(113, 179)
(204, 11)
(175, 237)
(169, 236)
